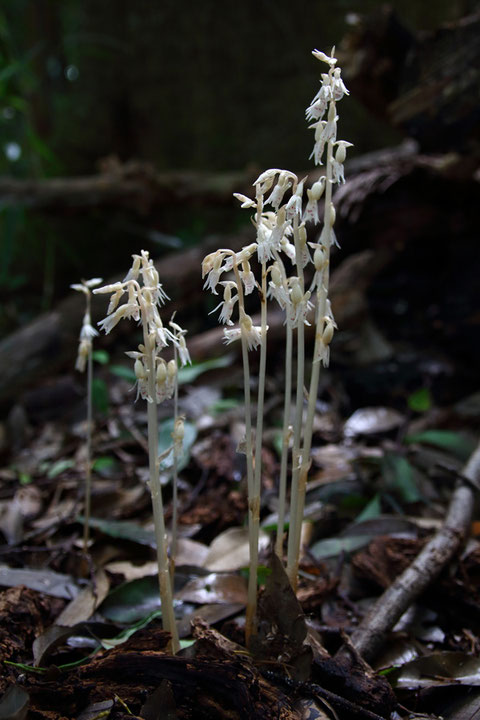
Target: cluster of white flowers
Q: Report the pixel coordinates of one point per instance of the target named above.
(141, 304)
(280, 219)
(88, 332)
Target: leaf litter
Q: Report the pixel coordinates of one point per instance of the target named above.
(377, 490)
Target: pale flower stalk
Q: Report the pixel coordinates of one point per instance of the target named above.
(280, 217)
(331, 91)
(180, 352)
(85, 361)
(156, 381)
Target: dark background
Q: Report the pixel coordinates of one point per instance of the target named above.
(209, 86)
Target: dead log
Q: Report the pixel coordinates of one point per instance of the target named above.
(134, 185)
(424, 84)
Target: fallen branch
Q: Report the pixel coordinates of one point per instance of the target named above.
(136, 185)
(371, 634)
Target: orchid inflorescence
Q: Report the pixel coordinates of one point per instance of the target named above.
(283, 207)
(156, 381)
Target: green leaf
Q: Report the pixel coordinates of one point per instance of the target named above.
(398, 475)
(101, 357)
(331, 547)
(26, 668)
(223, 405)
(58, 467)
(132, 601)
(24, 478)
(189, 373)
(420, 400)
(124, 372)
(454, 442)
(109, 643)
(371, 510)
(100, 395)
(277, 443)
(122, 529)
(165, 441)
(104, 465)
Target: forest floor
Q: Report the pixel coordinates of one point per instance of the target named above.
(80, 632)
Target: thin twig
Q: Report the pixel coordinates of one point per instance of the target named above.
(370, 635)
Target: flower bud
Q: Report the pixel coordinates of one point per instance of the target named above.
(296, 293)
(161, 372)
(178, 435)
(319, 259)
(327, 334)
(316, 191)
(276, 274)
(333, 215)
(341, 154)
(139, 370)
(171, 370)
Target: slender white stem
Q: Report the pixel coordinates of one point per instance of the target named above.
(166, 597)
(282, 489)
(322, 293)
(253, 546)
(254, 500)
(297, 431)
(173, 546)
(88, 459)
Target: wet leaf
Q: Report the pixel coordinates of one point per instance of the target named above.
(381, 525)
(132, 601)
(230, 549)
(97, 710)
(372, 420)
(282, 627)
(399, 477)
(84, 605)
(123, 529)
(438, 669)
(331, 547)
(454, 442)
(47, 581)
(44, 644)
(109, 643)
(130, 570)
(191, 552)
(14, 704)
(215, 588)
(210, 613)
